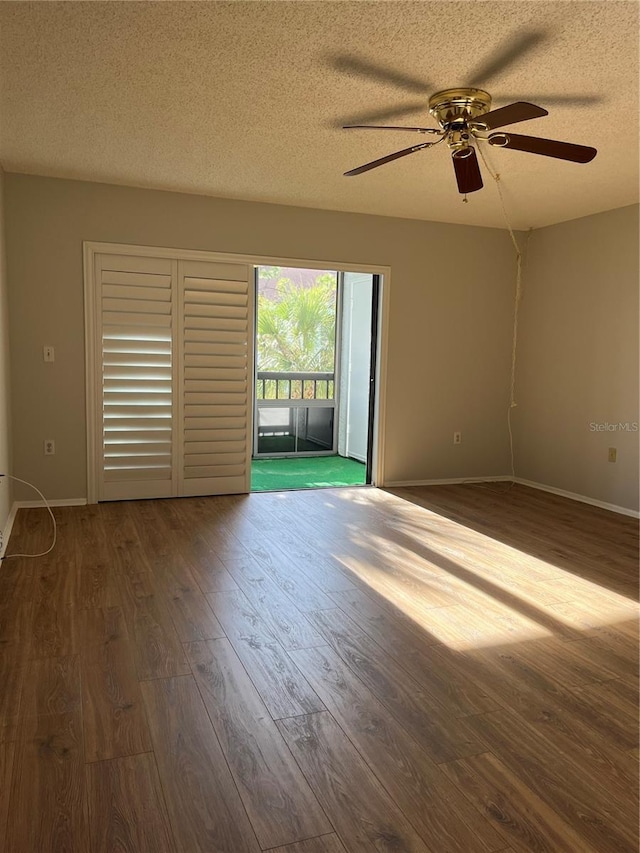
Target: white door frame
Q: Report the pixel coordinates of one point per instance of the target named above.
(92, 248)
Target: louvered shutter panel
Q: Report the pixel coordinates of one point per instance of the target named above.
(136, 307)
(216, 418)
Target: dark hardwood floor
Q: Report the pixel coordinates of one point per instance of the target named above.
(450, 669)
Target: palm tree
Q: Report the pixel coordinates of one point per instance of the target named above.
(296, 330)
(296, 333)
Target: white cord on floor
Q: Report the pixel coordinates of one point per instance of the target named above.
(55, 527)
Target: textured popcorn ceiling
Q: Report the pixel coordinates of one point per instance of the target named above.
(241, 99)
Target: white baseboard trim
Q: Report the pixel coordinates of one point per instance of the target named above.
(57, 502)
(621, 510)
(451, 481)
(6, 533)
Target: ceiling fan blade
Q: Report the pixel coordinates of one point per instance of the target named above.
(546, 147)
(380, 73)
(506, 55)
(511, 114)
(391, 127)
(467, 171)
(381, 115)
(396, 156)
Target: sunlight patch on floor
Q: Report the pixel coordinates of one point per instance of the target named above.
(469, 590)
(458, 626)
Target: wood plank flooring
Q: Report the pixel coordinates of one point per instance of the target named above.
(446, 669)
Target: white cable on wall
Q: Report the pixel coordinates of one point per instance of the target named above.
(55, 527)
(516, 312)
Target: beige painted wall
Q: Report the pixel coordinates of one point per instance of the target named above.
(450, 314)
(578, 359)
(5, 485)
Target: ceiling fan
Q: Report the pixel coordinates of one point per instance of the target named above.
(465, 117)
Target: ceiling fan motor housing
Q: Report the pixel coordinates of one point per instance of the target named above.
(458, 106)
(454, 109)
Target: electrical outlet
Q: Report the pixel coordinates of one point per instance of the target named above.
(457, 438)
(49, 447)
(613, 454)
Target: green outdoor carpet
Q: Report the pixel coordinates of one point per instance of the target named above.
(310, 472)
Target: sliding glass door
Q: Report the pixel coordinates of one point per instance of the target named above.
(296, 362)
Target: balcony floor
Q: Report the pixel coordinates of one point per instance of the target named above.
(310, 472)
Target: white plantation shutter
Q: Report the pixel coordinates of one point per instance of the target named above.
(172, 352)
(215, 428)
(136, 304)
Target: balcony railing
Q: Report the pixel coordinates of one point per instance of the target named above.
(294, 413)
(290, 385)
